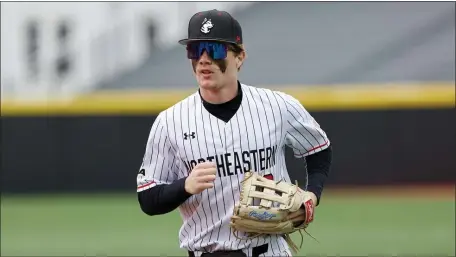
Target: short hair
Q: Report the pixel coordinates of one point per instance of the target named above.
(237, 49)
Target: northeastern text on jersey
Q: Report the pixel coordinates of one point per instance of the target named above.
(234, 163)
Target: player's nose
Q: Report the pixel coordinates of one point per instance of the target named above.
(205, 58)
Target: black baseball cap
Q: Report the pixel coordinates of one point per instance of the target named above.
(213, 25)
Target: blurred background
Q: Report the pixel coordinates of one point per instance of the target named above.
(82, 82)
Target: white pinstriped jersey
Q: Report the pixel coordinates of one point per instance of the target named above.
(253, 139)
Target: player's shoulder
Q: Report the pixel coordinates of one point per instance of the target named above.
(188, 103)
(272, 95)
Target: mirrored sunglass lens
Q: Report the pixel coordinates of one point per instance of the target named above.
(214, 49)
(219, 51)
(192, 51)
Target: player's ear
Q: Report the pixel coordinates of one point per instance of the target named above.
(240, 59)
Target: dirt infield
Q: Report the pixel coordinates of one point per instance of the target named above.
(446, 191)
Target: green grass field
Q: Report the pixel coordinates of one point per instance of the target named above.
(114, 225)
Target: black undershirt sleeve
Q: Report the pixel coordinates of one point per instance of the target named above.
(318, 167)
(162, 199)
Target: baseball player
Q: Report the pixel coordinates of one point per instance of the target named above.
(198, 149)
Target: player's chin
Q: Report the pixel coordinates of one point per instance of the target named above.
(207, 83)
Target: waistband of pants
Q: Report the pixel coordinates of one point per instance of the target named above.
(256, 251)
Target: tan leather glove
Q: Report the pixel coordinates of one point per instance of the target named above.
(277, 200)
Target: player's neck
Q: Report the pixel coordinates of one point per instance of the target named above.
(221, 95)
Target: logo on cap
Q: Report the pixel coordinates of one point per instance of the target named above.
(207, 26)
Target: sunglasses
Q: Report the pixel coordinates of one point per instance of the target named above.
(216, 50)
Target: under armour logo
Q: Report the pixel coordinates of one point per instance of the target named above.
(191, 134)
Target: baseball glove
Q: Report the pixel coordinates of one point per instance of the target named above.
(266, 207)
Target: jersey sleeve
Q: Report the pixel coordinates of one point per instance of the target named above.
(159, 161)
(304, 135)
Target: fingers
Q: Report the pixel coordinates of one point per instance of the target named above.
(201, 177)
(208, 171)
(205, 168)
(205, 165)
(202, 186)
(207, 185)
(206, 178)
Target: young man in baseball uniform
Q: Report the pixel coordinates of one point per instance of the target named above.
(199, 149)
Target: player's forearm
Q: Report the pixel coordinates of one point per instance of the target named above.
(162, 199)
(318, 167)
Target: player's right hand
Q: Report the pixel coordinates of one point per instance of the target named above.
(201, 177)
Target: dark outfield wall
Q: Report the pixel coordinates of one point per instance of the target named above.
(91, 153)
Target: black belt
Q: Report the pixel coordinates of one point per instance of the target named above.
(256, 251)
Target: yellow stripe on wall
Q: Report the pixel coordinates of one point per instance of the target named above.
(314, 98)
